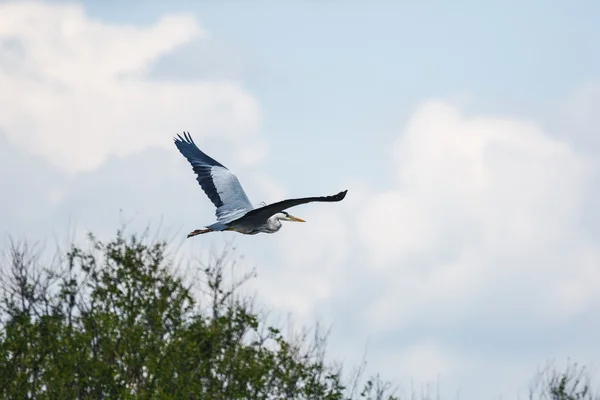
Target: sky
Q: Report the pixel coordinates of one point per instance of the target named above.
(467, 251)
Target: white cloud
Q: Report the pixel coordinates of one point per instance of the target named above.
(304, 272)
(402, 218)
(481, 224)
(423, 362)
(482, 206)
(74, 89)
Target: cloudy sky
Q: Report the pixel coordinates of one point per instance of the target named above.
(468, 247)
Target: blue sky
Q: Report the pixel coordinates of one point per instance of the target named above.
(467, 135)
(339, 69)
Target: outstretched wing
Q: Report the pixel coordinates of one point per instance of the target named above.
(220, 185)
(263, 213)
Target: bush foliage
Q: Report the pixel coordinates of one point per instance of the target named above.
(116, 321)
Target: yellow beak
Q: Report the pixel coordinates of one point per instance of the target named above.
(296, 219)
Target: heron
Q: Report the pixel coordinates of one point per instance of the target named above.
(234, 211)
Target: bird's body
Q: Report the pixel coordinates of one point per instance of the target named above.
(245, 226)
(234, 210)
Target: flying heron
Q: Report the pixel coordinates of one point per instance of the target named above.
(234, 210)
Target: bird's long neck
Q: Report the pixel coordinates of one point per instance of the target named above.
(273, 223)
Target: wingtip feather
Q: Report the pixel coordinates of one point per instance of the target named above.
(186, 138)
(340, 196)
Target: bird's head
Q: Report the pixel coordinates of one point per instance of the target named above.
(284, 216)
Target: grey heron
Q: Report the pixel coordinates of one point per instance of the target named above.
(234, 210)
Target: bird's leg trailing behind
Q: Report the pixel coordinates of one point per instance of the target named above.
(199, 232)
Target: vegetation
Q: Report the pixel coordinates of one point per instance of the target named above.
(573, 383)
(117, 320)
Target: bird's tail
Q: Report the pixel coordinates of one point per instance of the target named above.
(199, 232)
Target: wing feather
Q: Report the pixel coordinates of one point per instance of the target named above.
(220, 185)
(263, 213)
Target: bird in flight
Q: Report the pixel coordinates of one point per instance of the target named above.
(234, 210)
